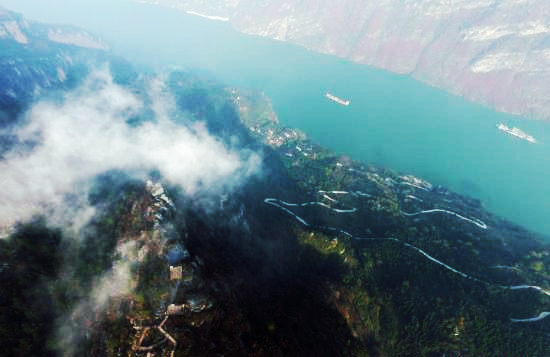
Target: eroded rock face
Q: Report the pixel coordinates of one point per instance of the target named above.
(494, 52)
(36, 58)
(15, 27)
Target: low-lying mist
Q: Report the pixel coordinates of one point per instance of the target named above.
(88, 133)
(81, 162)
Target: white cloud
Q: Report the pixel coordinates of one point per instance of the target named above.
(118, 282)
(87, 134)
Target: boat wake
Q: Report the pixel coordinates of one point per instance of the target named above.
(335, 99)
(209, 17)
(518, 133)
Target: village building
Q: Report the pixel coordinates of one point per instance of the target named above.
(176, 272)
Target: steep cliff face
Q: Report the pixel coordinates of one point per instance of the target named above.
(495, 52)
(35, 57)
(200, 249)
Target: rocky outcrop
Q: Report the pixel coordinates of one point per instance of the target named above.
(35, 58)
(496, 52)
(16, 28)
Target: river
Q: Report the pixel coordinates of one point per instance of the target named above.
(393, 120)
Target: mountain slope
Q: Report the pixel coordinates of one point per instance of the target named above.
(37, 57)
(177, 217)
(495, 52)
(317, 255)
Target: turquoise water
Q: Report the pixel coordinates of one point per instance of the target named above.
(393, 120)
(402, 124)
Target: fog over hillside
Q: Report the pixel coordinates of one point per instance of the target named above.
(88, 134)
(150, 208)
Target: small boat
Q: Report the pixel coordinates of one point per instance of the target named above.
(334, 98)
(518, 133)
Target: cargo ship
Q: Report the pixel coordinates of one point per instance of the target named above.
(518, 133)
(334, 98)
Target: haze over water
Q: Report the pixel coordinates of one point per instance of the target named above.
(393, 121)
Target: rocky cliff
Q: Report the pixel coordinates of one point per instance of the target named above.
(35, 57)
(496, 52)
(162, 249)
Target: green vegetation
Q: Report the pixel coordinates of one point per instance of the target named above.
(258, 281)
(394, 300)
(31, 260)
